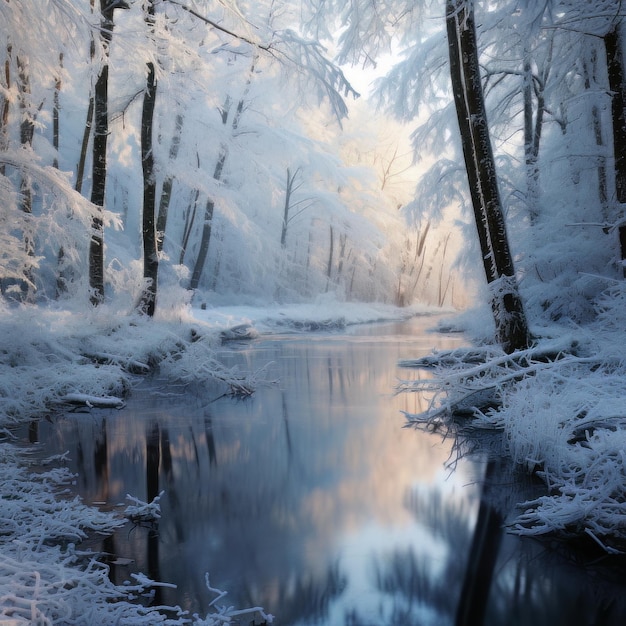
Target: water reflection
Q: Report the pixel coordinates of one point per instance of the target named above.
(309, 498)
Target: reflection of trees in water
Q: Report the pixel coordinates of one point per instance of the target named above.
(307, 598)
(486, 581)
(408, 578)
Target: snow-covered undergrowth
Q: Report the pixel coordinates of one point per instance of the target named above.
(50, 359)
(561, 407)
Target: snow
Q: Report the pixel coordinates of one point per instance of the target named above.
(53, 360)
(560, 408)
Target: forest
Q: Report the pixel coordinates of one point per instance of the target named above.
(161, 156)
(222, 150)
(209, 146)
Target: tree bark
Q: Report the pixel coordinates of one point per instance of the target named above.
(4, 117)
(510, 320)
(82, 159)
(99, 164)
(56, 107)
(617, 85)
(331, 252)
(287, 207)
(147, 302)
(150, 247)
(168, 183)
(530, 155)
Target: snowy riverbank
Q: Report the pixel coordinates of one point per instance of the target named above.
(560, 409)
(562, 416)
(52, 359)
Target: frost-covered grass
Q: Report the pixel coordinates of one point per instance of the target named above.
(561, 408)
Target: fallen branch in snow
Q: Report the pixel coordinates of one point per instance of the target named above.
(469, 380)
(140, 511)
(128, 364)
(561, 415)
(84, 399)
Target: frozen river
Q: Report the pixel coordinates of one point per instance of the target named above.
(310, 498)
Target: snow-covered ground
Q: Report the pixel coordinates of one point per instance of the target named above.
(53, 358)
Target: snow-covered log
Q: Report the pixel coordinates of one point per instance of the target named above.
(84, 399)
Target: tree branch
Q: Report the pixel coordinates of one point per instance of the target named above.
(222, 29)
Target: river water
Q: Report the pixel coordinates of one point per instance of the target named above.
(312, 500)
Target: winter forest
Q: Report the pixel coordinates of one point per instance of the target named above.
(216, 149)
(224, 130)
(160, 157)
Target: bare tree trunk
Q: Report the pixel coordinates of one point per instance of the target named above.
(589, 74)
(168, 183)
(27, 133)
(288, 190)
(189, 221)
(55, 113)
(150, 249)
(533, 127)
(207, 227)
(617, 84)
(80, 170)
(61, 280)
(99, 164)
(331, 251)
(510, 320)
(530, 157)
(4, 118)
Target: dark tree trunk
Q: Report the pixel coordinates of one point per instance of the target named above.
(99, 164)
(589, 74)
(190, 218)
(27, 133)
(61, 283)
(150, 250)
(511, 326)
(207, 228)
(80, 170)
(209, 208)
(617, 85)
(55, 113)
(82, 159)
(530, 155)
(147, 302)
(4, 117)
